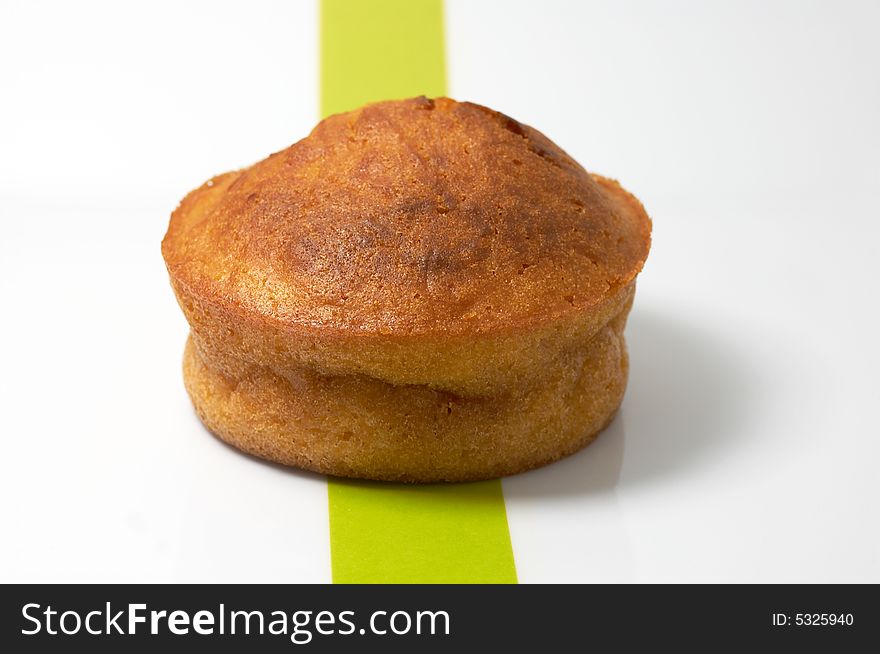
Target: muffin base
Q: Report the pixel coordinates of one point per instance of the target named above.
(362, 427)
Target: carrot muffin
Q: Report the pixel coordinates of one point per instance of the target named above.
(420, 290)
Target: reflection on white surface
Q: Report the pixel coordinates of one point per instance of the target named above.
(686, 401)
(689, 399)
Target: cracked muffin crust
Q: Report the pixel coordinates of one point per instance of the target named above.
(420, 290)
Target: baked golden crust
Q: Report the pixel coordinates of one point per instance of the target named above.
(426, 245)
(410, 218)
(355, 426)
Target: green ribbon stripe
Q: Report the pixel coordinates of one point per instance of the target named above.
(393, 533)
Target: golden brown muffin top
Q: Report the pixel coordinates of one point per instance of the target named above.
(410, 217)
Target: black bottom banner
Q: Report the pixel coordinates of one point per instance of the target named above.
(114, 618)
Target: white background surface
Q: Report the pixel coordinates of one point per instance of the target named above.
(748, 445)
